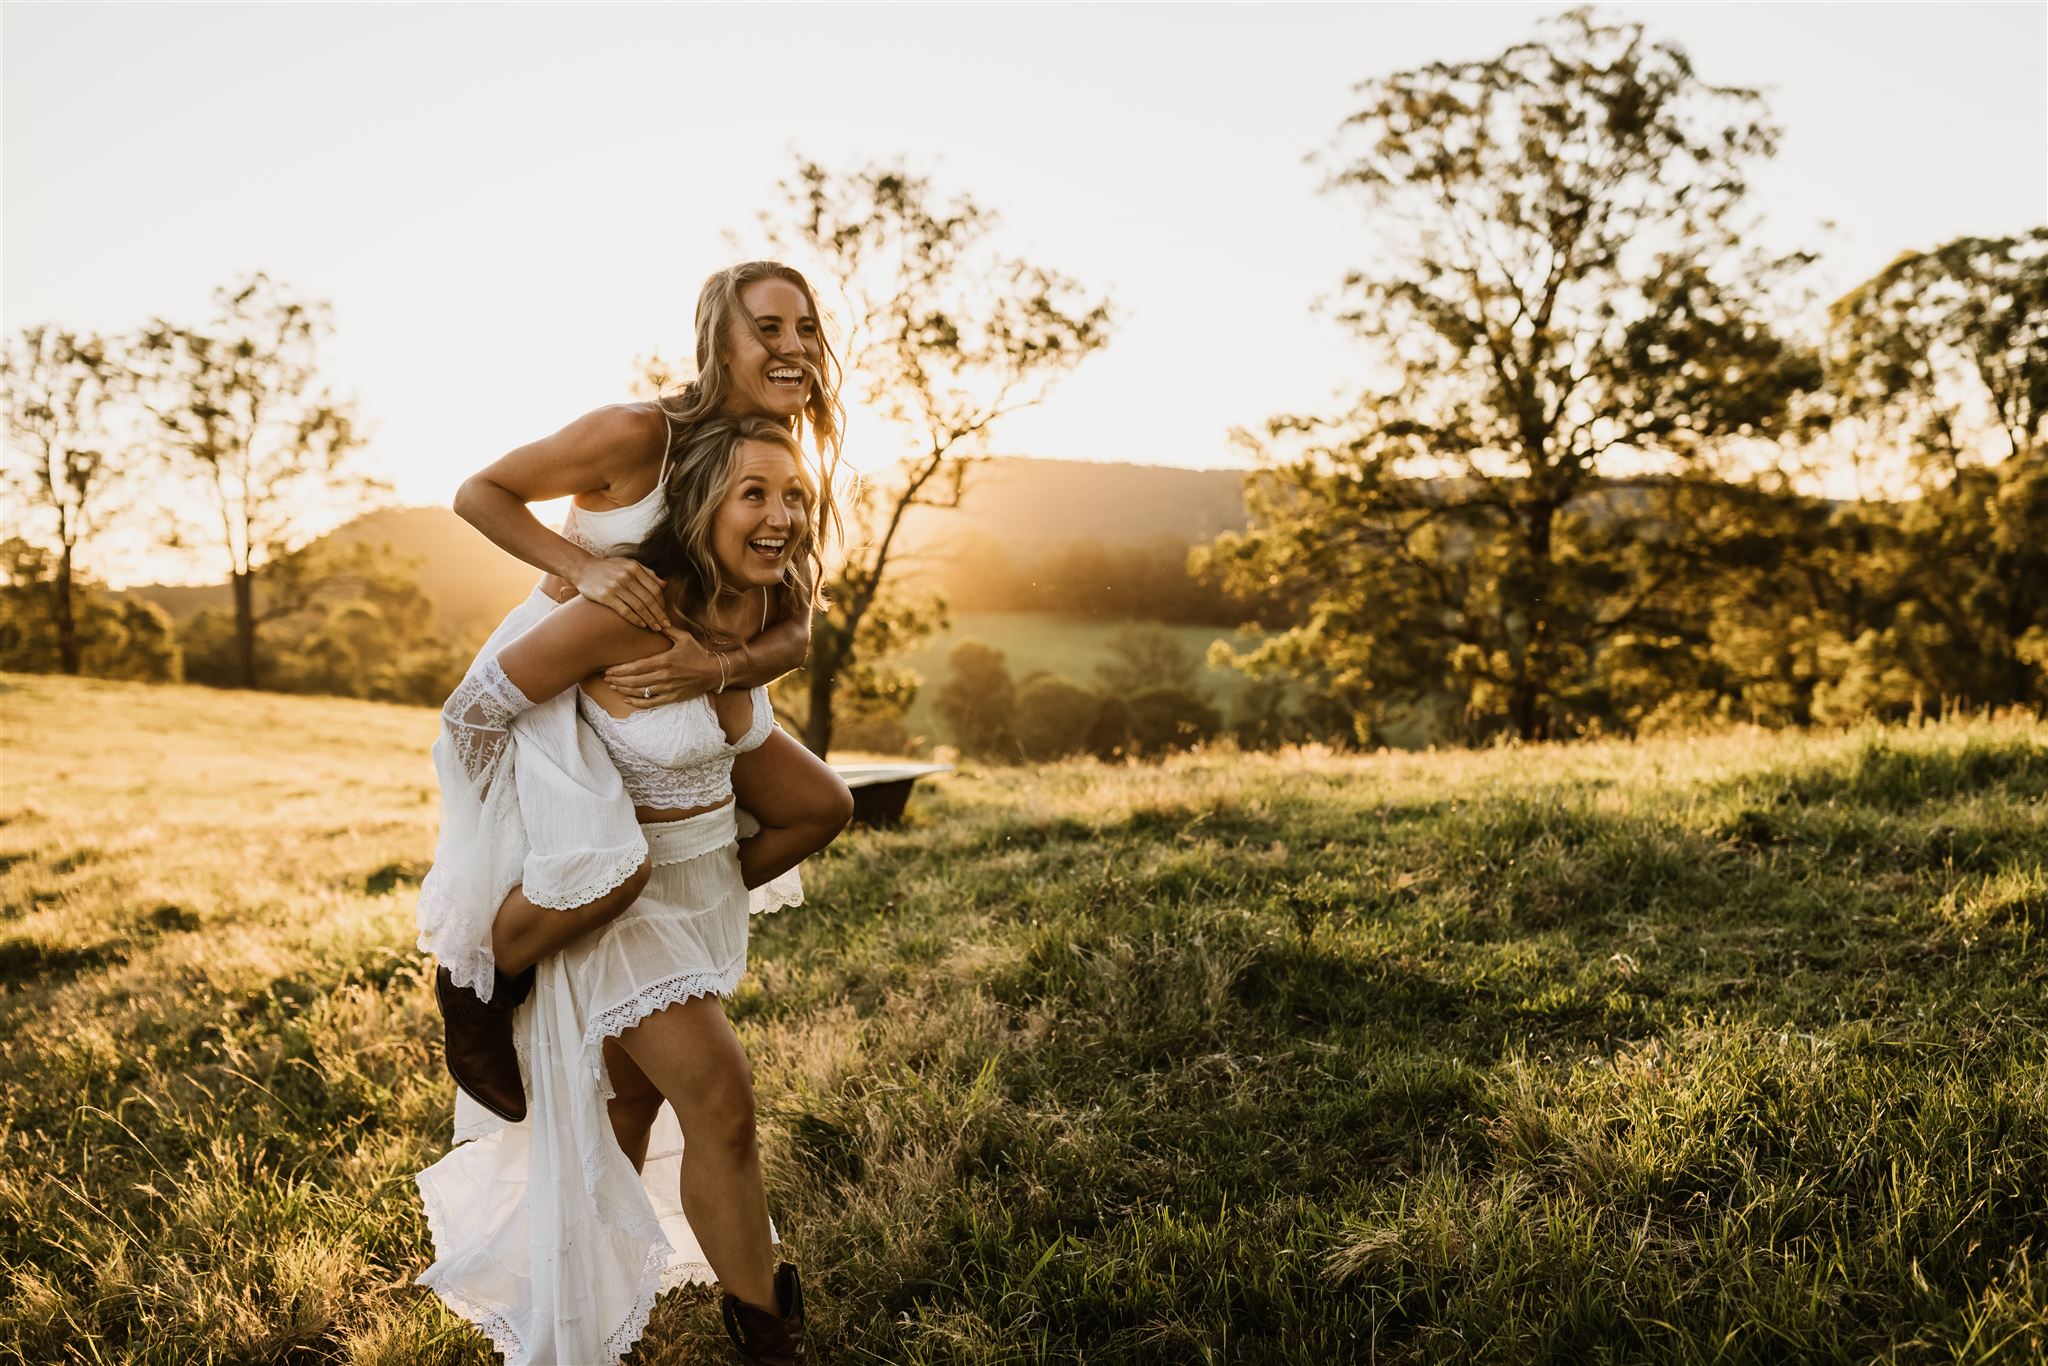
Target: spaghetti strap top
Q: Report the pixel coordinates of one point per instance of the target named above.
(615, 531)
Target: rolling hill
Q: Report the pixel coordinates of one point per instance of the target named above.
(1026, 508)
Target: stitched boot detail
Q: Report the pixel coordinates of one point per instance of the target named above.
(477, 1041)
(766, 1339)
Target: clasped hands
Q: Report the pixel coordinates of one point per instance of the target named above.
(686, 669)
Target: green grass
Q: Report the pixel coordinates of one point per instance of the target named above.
(1723, 1049)
(1035, 641)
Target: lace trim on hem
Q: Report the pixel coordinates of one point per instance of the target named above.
(769, 898)
(608, 881)
(622, 1017)
(488, 1123)
(475, 971)
(656, 1281)
(489, 1321)
(657, 1278)
(609, 1024)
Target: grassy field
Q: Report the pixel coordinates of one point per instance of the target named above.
(1730, 1049)
(1034, 641)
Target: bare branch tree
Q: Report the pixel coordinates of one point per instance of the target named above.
(946, 337)
(244, 417)
(61, 391)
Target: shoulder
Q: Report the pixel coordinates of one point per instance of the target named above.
(593, 630)
(625, 435)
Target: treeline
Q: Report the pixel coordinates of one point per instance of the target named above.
(216, 438)
(344, 623)
(1609, 473)
(1611, 479)
(1144, 702)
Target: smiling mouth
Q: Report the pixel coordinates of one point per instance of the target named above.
(769, 547)
(786, 377)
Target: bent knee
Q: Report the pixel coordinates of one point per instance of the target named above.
(835, 806)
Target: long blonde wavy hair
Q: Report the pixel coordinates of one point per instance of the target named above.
(702, 398)
(679, 549)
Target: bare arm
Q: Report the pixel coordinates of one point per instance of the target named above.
(594, 452)
(687, 668)
(570, 644)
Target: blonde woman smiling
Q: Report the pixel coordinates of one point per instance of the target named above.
(760, 352)
(637, 1167)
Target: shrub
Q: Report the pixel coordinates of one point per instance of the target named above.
(979, 702)
(1055, 717)
(1110, 737)
(1167, 719)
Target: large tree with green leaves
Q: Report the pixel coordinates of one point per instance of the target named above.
(946, 335)
(64, 390)
(1947, 351)
(1943, 357)
(243, 417)
(1563, 327)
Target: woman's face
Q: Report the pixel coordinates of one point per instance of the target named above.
(762, 518)
(765, 381)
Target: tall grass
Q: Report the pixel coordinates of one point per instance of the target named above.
(1730, 1049)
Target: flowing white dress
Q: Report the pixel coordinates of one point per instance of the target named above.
(545, 1236)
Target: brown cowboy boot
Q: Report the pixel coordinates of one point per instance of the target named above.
(478, 1041)
(766, 1339)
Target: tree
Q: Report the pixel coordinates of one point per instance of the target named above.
(978, 701)
(1146, 655)
(1565, 327)
(347, 619)
(130, 638)
(243, 416)
(1056, 717)
(62, 389)
(1949, 349)
(116, 636)
(1945, 353)
(949, 337)
(1167, 719)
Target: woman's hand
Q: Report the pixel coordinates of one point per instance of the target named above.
(686, 669)
(627, 587)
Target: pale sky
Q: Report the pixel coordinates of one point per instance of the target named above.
(506, 204)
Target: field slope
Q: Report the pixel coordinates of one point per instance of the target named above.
(1730, 1049)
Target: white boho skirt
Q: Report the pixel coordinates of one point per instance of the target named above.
(544, 1235)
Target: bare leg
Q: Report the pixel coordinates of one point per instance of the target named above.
(634, 1104)
(690, 1052)
(523, 933)
(801, 803)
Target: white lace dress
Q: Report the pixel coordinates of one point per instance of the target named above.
(545, 1236)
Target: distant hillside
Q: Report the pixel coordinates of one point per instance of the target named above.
(471, 581)
(1026, 508)
(1030, 506)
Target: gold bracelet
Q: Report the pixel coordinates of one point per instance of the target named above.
(721, 673)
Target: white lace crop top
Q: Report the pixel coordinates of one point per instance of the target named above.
(618, 531)
(673, 757)
(676, 756)
(614, 531)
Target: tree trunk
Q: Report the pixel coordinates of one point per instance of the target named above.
(67, 619)
(245, 625)
(818, 724)
(1532, 689)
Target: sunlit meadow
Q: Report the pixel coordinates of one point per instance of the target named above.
(1716, 1049)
